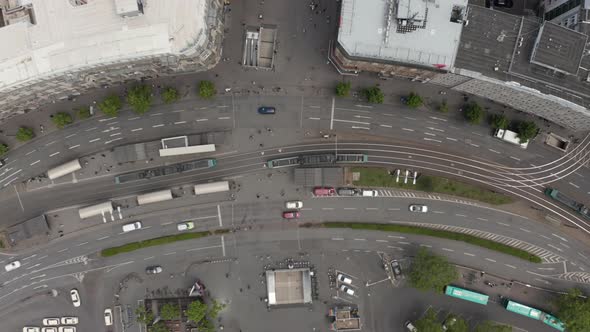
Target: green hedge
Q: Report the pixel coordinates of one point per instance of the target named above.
(132, 246)
(488, 244)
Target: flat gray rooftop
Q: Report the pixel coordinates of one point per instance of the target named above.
(559, 48)
(418, 32)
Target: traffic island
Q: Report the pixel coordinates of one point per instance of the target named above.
(445, 234)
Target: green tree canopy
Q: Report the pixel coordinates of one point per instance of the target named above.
(526, 130)
(140, 98)
(203, 315)
(431, 272)
(62, 119)
(214, 309)
(489, 326)
(343, 89)
(374, 95)
(83, 113)
(25, 134)
(500, 121)
(110, 105)
(170, 311)
(443, 107)
(414, 100)
(455, 323)
(3, 149)
(474, 113)
(170, 95)
(206, 89)
(144, 316)
(429, 322)
(159, 327)
(196, 311)
(574, 311)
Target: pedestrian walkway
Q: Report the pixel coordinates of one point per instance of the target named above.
(547, 257)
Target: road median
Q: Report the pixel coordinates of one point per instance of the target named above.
(158, 241)
(484, 243)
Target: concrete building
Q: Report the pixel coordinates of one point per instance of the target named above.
(63, 48)
(572, 14)
(539, 68)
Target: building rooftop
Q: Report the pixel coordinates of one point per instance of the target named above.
(53, 37)
(292, 286)
(418, 32)
(559, 48)
(500, 46)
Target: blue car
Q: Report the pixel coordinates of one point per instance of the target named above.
(266, 110)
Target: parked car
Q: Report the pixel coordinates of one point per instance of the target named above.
(132, 226)
(153, 269)
(291, 214)
(67, 329)
(449, 322)
(51, 321)
(49, 329)
(185, 226)
(31, 329)
(12, 266)
(344, 279)
(108, 317)
(75, 296)
(348, 192)
(294, 205)
(347, 290)
(266, 110)
(410, 327)
(396, 269)
(418, 208)
(324, 191)
(370, 193)
(69, 320)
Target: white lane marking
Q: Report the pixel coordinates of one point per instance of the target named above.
(54, 154)
(554, 247)
(102, 238)
(91, 129)
(351, 110)
(48, 144)
(219, 215)
(447, 249)
(578, 174)
(429, 134)
(503, 224)
(29, 257)
(393, 209)
(524, 230)
(332, 114)
(545, 237)
(42, 257)
(362, 117)
(364, 106)
(28, 153)
(224, 118)
(314, 118)
(166, 223)
(360, 239)
(349, 208)
(33, 266)
(386, 126)
(81, 244)
(328, 209)
(337, 239)
(494, 151)
(394, 247)
(401, 242)
(478, 134)
(37, 277)
(468, 254)
(574, 185)
(515, 158)
(72, 135)
(73, 147)
(223, 245)
(158, 125)
(474, 145)
(357, 127)
(433, 140)
(156, 114)
(410, 118)
(546, 268)
(63, 250)
(490, 260)
(148, 258)
(137, 129)
(203, 248)
(407, 129)
(111, 141)
(560, 237)
(94, 140)
(169, 253)
(435, 129)
(583, 255)
(482, 219)
(177, 111)
(179, 122)
(33, 163)
(222, 106)
(135, 118)
(313, 106)
(38, 287)
(439, 119)
(438, 212)
(396, 237)
(426, 245)
(510, 266)
(381, 240)
(451, 139)
(201, 120)
(115, 134)
(460, 215)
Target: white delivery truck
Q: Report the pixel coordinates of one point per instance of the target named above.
(510, 137)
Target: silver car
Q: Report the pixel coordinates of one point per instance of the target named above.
(418, 208)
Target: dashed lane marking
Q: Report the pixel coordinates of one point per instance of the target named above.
(158, 125)
(74, 146)
(447, 249)
(468, 254)
(54, 154)
(35, 162)
(137, 129)
(490, 260)
(407, 129)
(94, 140)
(510, 266)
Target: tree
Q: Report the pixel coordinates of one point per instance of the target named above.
(429, 322)
(144, 316)
(343, 89)
(455, 323)
(431, 272)
(374, 95)
(170, 311)
(3, 149)
(474, 113)
(25, 134)
(574, 310)
(489, 326)
(500, 121)
(206, 89)
(140, 98)
(111, 105)
(526, 130)
(83, 113)
(196, 311)
(62, 119)
(214, 309)
(443, 107)
(159, 327)
(414, 100)
(170, 95)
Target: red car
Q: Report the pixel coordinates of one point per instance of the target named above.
(291, 214)
(324, 191)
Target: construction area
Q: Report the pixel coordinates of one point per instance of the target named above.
(259, 47)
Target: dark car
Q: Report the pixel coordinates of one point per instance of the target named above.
(153, 269)
(348, 192)
(396, 269)
(503, 3)
(266, 110)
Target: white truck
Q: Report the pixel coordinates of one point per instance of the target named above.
(510, 137)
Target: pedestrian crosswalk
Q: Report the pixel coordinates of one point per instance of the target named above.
(546, 256)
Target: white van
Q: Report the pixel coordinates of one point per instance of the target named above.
(131, 226)
(370, 193)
